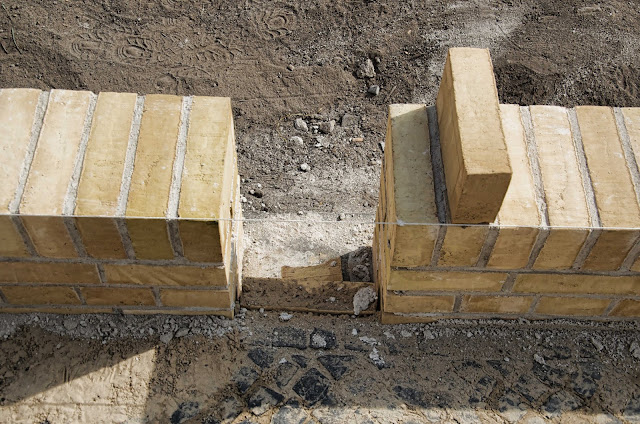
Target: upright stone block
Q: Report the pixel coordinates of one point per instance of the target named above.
(612, 186)
(50, 177)
(562, 182)
(152, 175)
(518, 218)
(474, 153)
(411, 197)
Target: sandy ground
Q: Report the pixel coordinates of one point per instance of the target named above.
(315, 60)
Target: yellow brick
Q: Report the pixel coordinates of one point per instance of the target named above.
(174, 275)
(150, 238)
(11, 243)
(208, 174)
(50, 236)
(497, 304)
(615, 195)
(445, 281)
(513, 248)
(117, 296)
(575, 283)
(196, 298)
(201, 240)
(27, 295)
(564, 193)
(418, 304)
(26, 272)
(611, 249)
(17, 113)
(101, 178)
(462, 246)
(614, 191)
(153, 165)
(561, 248)
(56, 151)
(571, 306)
(411, 192)
(627, 308)
(101, 238)
(474, 153)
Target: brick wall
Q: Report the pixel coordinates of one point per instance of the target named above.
(562, 240)
(118, 202)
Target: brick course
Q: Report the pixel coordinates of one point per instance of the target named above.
(118, 201)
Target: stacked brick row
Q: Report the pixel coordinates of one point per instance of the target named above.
(118, 202)
(559, 187)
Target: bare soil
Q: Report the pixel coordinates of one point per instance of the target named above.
(279, 60)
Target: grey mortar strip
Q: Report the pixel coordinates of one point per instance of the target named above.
(509, 282)
(101, 275)
(127, 172)
(124, 236)
(587, 185)
(534, 304)
(38, 121)
(92, 261)
(457, 302)
(174, 237)
(439, 183)
(70, 197)
(17, 222)
(632, 165)
(156, 295)
(487, 248)
(72, 228)
(612, 305)
(437, 248)
(176, 178)
(178, 162)
(80, 296)
(541, 199)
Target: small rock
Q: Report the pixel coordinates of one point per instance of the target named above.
(285, 316)
(342, 217)
(327, 127)
(597, 344)
(381, 144)
(354, 332)
(243, 199)
(335, 364)
(300, 125)
(334, 263)
(305, 167)
(182, 332)
(634, 349)
(70, 324)
(332, 299)
(374, 90)
(357, 139)
(377, 359)
(363, 298)
(289, 415)
(285, 373)
(539, 359)
(166, 337)
(428, 335)
(298, 140)
(291, 67)
(366, 69)
(349, 121)
(290, 337)
(406, 334)
(323, 339)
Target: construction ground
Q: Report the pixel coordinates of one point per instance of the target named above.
(319, 61)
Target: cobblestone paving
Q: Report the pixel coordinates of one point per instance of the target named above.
(320, 369)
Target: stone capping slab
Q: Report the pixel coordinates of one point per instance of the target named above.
(92, 197)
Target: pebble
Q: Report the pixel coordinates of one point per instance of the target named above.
(285, 316)
(357, 139)
(342, 217)
(291, 67)
(374, 90)
(634, 349)
(182, 332)
(166, 337)
(366, 69)
(70, 324)
(354, 332)
(305, 167)
(301, 125)
(298, 140)
(539, 359)
(327, 127)
(381, 144)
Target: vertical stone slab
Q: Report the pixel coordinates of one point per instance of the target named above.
(519, 211)
(474, 153)
(152, 174)
(17, 115)
(411, 198)
(207, 180)
(612, 186)
(101, 178)
(51, 172)
(631, 116)
(563, 190)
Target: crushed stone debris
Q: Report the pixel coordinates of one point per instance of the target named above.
(363, 298)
